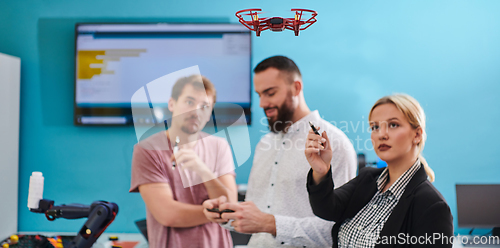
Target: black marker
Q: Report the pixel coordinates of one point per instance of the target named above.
(176, 149)
(314, 129)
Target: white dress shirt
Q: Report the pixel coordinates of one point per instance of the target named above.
(277, 184)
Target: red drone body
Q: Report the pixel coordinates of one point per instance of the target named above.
(276, 24)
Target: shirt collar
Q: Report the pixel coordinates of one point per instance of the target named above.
(303, 123)
(398, 187)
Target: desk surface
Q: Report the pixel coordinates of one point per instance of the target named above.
(103, 240)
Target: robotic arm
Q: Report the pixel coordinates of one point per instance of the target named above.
(100, 215)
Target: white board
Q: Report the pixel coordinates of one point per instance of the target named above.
(10, 75)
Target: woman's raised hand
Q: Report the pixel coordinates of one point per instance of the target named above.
(319, 154)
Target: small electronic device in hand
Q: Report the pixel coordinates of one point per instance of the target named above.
(216, 210)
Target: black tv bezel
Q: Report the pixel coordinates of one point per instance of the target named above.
(128, 111)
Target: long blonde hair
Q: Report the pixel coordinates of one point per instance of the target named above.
(415, 116)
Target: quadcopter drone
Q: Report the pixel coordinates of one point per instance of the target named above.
(276, 24)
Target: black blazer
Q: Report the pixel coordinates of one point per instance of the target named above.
(421, 210)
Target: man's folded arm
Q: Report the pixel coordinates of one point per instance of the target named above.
(167, 211)
(224, 185)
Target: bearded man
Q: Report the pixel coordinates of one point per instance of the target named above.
(276, 209)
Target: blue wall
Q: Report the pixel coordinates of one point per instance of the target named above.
(444, 53)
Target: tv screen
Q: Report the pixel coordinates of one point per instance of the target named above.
(478, 205)
(113, 61)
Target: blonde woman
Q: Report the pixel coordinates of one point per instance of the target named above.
(395, 206)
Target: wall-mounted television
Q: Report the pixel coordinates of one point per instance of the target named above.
(113, 61)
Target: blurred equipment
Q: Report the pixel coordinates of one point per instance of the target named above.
(100, 214)
(36, 189)
(240, 238)
(114, 242)
(35, 241)
(478, 206)
(242, 192)
(276, 24)
(362, 163)
(142, 225)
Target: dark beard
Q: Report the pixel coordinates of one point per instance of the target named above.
(284, 117)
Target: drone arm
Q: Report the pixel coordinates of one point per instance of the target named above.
(265, 28)
(290, 23)
(254, 24)
(310, 22)
(306, 26)
(245, 24)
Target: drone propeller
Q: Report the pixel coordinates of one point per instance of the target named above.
(252, 12)
(298, 21)
(255, 19)
(257, 13)
(300, 12)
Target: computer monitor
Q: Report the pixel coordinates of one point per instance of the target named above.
(478, 205)
(113, 61)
